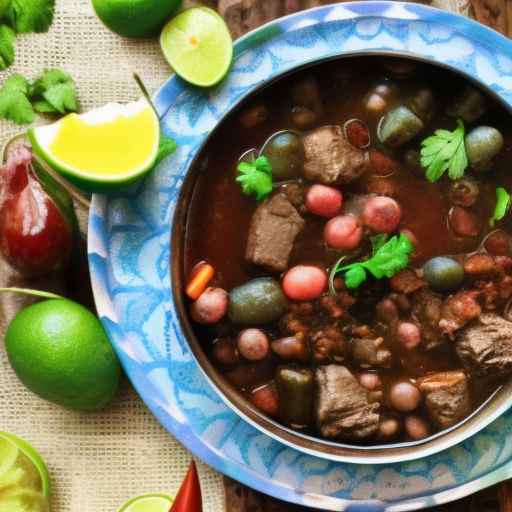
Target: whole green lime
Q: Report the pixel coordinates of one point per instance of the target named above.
(61, 352)
(135, 18)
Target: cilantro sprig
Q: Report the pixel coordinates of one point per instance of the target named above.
(52, 93)
(255, 178)
(388, 258)
(445, 151)
(503, 203)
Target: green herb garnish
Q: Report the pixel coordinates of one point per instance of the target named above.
(166, 147)
(388, 258)
(445, 151)
(502, 205)
(7, 38)
(14, 101)
(30, 15)
(255, 178)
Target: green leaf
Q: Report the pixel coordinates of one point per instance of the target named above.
(31, 15)
(16, 83)
(7, 37)
(445, 151)
(57, 90)
(377, 242)
(15, 106)
(255, 178)
(166, 147)
(502, 205)
(389, 257)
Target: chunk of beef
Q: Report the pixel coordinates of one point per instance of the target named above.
(494, 292)
(330, 158)
(343, 410)
(370, 353)
(274, 226)
(406, 281)
(426, 313)
(458, 310)
(328, 345)
(485, 347)
(446, 397)
(480, 264)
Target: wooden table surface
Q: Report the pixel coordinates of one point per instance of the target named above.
(244, 15)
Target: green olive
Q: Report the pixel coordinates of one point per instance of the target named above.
(443, 274)
(257, 302)
(285, 152)
(422, 104)
(469, 106)
(399, 126)
(482, 145)
(295, 387)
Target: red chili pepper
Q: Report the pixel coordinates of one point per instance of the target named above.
(189, 497)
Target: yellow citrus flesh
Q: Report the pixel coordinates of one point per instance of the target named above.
(90, 147)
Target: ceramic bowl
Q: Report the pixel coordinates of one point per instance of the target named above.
(138, 295)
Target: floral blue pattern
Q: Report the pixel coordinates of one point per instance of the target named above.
(129, 251)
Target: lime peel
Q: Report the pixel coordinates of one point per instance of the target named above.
(148, 503)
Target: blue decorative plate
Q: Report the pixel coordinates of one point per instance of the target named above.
(129, 253)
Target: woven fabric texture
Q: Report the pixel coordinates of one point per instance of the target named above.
(97, 461)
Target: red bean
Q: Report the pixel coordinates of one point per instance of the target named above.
(291, 348)
(357, 133)
(266, 399)
(210, 307)
(304, 282)
(387, 311)
(382, 214)
(404, 396)
(463, 222)
(343, 232)
(370, 381)
(381, 164)
(416, 428)
(253, 344)
(375, 103)
(498, 243)
(324, 201)
(388, 428)
(408, 334)
(224, 351)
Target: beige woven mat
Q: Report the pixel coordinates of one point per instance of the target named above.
(97, 461)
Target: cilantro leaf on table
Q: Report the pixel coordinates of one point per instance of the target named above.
(31, 15)
(7, 38)
(166, 147)
(503, 202)
(388, 258)
(255, 178)
(445, 151)
(14, 103)
(54, 92)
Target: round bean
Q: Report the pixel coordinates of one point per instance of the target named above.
(497, 243)
(382, 214)
(416, 428)
(343, 232)
(253, 344)
(463, 222)
(404, 396)
(370, 381)
(324, 201)
(224, 351)
(266, 399)
(408, 334)
(388, 428)
(304, 282)
(210, 307)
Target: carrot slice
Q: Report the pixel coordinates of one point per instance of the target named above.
(201, 275)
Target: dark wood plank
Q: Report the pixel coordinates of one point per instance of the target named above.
(494, 13)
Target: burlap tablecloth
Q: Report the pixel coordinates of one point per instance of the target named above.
(97, 461)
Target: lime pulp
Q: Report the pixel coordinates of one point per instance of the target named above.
(148, 503)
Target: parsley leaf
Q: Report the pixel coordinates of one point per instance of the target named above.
(388, 258)
(7, 37)
(445, 151)
(14, 103)
(503, 201)
(54, 92)
(166, 147)
(255, 177)
(31, 15)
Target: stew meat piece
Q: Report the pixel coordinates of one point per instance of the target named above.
(427, 307)
(330, 158)
(371, 352)
(485, 347)
(274, 226)
(446, 397)
(343, 410)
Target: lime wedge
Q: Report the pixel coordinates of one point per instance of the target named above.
(24, 480)
(198, 46)
(103, 148)
(148, 503)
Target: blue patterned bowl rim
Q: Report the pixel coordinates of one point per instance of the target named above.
(129, 251)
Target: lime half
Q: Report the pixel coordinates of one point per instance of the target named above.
(103, 148)
(24, 480)
(148, 503)
(198, 46)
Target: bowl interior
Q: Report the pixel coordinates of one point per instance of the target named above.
(494, 406)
